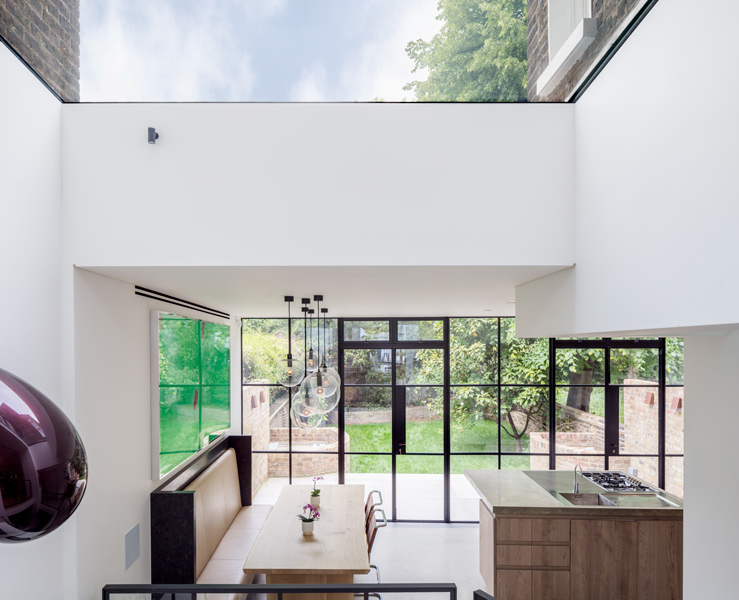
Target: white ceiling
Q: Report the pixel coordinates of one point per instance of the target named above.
(397, 291)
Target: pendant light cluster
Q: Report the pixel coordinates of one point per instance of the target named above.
(318, 386)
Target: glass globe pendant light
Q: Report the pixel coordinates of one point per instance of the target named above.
(329, 371)
(324, 383)
(289, 372)
(306, 410)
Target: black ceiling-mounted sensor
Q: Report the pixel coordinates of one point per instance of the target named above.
(153, 135)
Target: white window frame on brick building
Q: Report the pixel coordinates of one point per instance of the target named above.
(572, 29)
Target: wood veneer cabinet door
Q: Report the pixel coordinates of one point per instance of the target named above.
(660, 575)
(603, 560)
(487, 547)
(550, 585)
(513, 585)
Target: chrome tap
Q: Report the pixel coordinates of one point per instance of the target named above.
(576, 488)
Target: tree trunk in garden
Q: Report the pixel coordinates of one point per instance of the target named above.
(579, 397)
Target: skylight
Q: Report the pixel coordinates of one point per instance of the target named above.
(250, 50)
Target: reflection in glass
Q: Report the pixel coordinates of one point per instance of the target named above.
(368, 418)
(473, 350)
(524, 415)
(474, 419)
(522, 360)
(368, 367)
(179, 350)
(366, 331)
(416, 367)
(420, 330)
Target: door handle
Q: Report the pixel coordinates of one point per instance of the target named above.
(401, 450)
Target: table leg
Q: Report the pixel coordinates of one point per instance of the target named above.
(310, 578)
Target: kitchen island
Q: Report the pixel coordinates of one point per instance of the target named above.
(536, 543)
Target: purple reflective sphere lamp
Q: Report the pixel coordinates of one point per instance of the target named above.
(43, 466)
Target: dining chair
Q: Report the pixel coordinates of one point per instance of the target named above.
(371, 527)
(370, 506)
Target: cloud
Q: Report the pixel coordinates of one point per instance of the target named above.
(312, 86)
(138, 50)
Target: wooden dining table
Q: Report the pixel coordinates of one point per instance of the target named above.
(333, 554)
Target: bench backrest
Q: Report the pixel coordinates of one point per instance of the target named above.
(217, 502)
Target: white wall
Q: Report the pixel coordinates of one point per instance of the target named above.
(656, 192)
(711, 526)
(112, 374)
(30, 291)
(398, 184)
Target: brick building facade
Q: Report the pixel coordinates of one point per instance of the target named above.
(46, 34)
(610, 15)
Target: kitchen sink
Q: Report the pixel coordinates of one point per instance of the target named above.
(586, 499)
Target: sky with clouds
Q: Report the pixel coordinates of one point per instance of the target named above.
(250, 50)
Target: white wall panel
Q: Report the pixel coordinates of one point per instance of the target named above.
(242, 184)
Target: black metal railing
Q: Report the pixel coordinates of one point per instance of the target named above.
(359, 589)
(481, 595)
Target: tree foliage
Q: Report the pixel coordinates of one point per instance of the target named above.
(479, 55)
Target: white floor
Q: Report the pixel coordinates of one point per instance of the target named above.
(426, 553)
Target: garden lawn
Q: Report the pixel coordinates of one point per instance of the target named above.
(427, 436)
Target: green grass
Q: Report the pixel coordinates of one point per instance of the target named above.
(481, 436)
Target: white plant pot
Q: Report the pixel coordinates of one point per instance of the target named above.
(308, 527)
(315, 500)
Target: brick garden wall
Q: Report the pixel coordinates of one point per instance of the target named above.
(323, 439)
(610, 15)
(638, 435)
(255, 403)
(46, 34)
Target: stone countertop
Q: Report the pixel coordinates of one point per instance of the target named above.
(516, 492)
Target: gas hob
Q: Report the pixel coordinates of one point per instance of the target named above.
(614, 481)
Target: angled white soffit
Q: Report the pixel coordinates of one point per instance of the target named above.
(367, 291)
(572, 50)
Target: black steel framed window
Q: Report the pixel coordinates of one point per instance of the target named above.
(479, 397)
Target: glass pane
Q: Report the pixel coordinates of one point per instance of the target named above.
(674, 475)
(424, 423)
(641, 467)
(474, 419)
(634, 366)
(278, 419)
(366, 331)
(368, 418)
(522, 360)
(179, 420)
(179, 350)
(215, 415)
(525, 463)
(416, 367)
(374, 473)
(373, 366)
(473, 350)
(420, 330)
(580, 366)
(324, 438)
(524, 412)
(588, 463)
(638, 420)
(420, 487)
(674, 430)
(256, 404)
(308, 466)
(464, 500)
(580, 431)
(216, 347)
(263, 343)
(674, 360)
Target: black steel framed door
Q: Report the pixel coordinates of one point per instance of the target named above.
(415, 357)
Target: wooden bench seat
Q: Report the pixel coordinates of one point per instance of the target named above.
(202, 531)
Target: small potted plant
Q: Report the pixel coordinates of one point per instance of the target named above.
(310, 515)
(315, 495)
